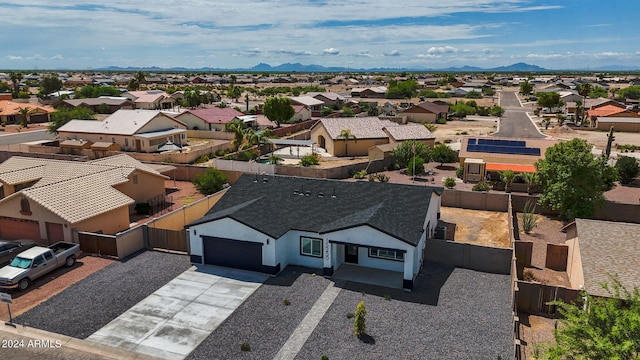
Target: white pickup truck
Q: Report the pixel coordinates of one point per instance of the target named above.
(36, 262)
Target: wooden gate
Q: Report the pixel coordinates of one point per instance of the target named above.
(175, 240)
(534, 298)
(98, 244)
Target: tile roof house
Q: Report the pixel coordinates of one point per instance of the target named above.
(47, 200)
(10, 112)
(328, 98)
(367, 132)
(313, 104)
(264, 223)
(132, 130)
(150, 99)
(598, 249)
(611, 111)
(97, 105)
(211, 118)
(425, 112)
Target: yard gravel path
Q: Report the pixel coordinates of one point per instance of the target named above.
(263, 320)
(88, 305)
(470, 318)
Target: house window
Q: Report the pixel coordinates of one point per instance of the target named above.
(310, 247)
(25, 207)
(386, 254)
(113, 140)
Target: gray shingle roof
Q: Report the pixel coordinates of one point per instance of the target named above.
(608, 247)
(278, 205)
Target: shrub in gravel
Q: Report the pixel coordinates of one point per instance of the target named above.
(350, 315)
(245, 346)
(387, 297)
(529, 218)
(359, 326)
(324, 357)
(286, 302)
(481, 186)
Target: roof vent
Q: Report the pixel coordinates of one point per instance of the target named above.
(295, 191)
(307, 193)
(264, 180)
(320, 194)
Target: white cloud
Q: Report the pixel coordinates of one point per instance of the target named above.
(441, 50)
(393, 53)
(331, 51)
(364, 53)
(13, 57)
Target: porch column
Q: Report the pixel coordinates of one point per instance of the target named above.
(407, 282)
(329, 249)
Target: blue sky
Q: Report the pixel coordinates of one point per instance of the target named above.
(554, 34)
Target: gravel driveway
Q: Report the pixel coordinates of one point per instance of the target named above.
(88, 305)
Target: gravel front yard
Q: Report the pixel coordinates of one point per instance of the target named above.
(471, 320)
(88, 305)
(263, 320)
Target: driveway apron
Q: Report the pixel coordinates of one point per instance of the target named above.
(175, 319)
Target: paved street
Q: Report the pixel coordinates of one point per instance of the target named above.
(515, 123)
(27, 136)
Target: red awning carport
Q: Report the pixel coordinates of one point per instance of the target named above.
(514, 167)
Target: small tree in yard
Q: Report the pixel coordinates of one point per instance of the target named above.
(415, 166)
(627, 169)
(278, 109)
(443, 154)
(408, 149)
(507, 176)
(211, 181)
(449, 183)
(359, 326)
(309, 160)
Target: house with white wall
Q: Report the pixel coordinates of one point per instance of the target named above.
(264, 223)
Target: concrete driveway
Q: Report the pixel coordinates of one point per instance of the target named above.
(175, 319)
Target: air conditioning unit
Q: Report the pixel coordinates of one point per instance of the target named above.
(441, 233)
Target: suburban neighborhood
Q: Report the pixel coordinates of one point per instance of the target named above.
(226, 216)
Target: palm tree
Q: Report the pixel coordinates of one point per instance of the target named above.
(237, 127)
(507, 176)
(25, 112)
(16, 77)
(346, 135)
(530, 180)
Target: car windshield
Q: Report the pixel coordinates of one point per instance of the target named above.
(21, 263)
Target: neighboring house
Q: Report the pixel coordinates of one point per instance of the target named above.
(463, 91)
(611, 111)
(367, 133)
(132, 130)
(48, 200)
(377, 92)
(570, 96)
(313, 104)
(211, 118)
(600, 249)
(300, 113)
(589, 104)
(629, 124)
(10, 112)
(483, 158)
(426, 112)
(150, 99)
(99, 105)
(335, 223)
(328, 98)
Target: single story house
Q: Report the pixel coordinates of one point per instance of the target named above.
(485, 157)
(300, 113)
(328, 98)
(48, 200)
(211, 118)
(629, 124)
(426, 112)
(264, 223)
(377, 92)
(10, 112)
(599, 249)
(133, 130)
(150, 99)
(611, 111)
(312, 104)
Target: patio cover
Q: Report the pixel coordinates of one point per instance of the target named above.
(515, 167)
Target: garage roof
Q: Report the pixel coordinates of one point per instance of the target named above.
(274, 205)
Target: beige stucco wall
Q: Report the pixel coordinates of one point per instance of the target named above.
(193, 121)
(355, 147)
(161, 122)
(303, 115)
(318, 131)
(574, 263)
(148, 186)
(110, 222)
(629, 127)
(427, 117)
(11, 208)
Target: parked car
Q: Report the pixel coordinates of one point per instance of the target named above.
(9, 249)
(38, 261)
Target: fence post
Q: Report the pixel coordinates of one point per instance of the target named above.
(145, 235)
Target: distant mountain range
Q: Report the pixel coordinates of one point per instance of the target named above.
(312, 68)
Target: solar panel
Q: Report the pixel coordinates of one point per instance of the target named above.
(505, 147)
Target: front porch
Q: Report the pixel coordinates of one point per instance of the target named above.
(371, 276)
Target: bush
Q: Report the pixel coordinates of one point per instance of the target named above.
(360, 174)
(382, 178)
(441, 121)
(143, 208)
(245, 346)
(359, 326)
(449, 183)
(350, 315)
(211, 181)
(324, 357)
(286, 302)
(415, 166)
(460, 172)
(481, 186)
(309, 160)
(627, 169)
(529, 218)
(202, 159)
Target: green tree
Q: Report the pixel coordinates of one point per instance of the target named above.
(443, 154)
(234, 92)
(449, 183)
(49, 84)
(16, 77)
(408, 149)
(63, 115)
(140, 78)
(278, 109)
(496, 111)
(346, 135)
(309, 160)
(209, 182)
(627, 169)
(573, 180)
(402, 90)
(549, 99)
(507, 177)
(584, 89)
(359, 322)
(461, 110)
(609, 327)
(631, 92)
(133, 85)
(598, 92)
(237, 128)
(347, 112)
(25, 113)
(473, 95)
(526, 88)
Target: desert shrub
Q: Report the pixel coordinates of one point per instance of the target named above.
(350, 315)
(202, 159)
(460, 172)
(529, 218)
(245, 346)
(286, 302)
(360, 174)
(441, 121)
(359, 326)
(449, 183)
(382, 178)
(627, 169)
(481, 186)
(210, 181)
(309, 160)
(415, 166)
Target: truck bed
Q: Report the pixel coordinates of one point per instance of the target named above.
(61, 246)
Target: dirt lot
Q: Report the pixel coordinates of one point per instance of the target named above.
(457, 129)
(51, 284)
(535, 332)
(486, 228)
